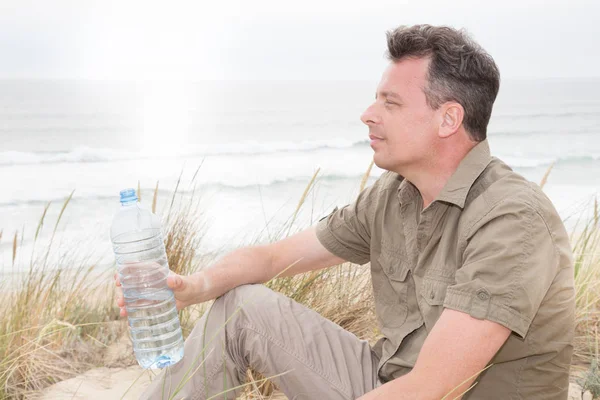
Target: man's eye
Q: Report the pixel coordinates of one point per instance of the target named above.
(389, 103)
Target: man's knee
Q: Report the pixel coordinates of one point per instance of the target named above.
(245, 295)
(235, 308)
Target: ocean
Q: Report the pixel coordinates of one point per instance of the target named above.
(255, 147)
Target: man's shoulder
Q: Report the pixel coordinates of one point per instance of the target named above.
(499, 190)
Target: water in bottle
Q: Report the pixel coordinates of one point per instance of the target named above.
(143, 269)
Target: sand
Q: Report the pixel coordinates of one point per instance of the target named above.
(102, 384)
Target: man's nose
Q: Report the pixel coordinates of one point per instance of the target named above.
(369, 117)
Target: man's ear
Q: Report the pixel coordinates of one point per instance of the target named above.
(451, 119)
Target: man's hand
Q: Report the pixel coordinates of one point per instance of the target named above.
(187, 290)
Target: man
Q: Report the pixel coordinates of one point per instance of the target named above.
(471, 264)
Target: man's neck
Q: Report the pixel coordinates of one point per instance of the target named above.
(431, 177)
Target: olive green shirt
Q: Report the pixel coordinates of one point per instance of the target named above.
(491, 245)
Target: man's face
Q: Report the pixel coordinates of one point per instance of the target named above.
(402, 127)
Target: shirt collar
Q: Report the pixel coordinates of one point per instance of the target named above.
(457, 188)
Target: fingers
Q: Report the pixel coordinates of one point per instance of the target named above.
(117, 280)
(121, 305)
(175, 282)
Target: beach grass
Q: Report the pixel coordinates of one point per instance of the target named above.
(57, 321)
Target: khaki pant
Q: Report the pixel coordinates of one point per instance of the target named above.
(274, 335)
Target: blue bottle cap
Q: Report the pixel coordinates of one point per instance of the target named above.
(128, 196)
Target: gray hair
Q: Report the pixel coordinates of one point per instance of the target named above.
(459, 70)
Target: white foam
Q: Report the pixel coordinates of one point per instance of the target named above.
(91, 155)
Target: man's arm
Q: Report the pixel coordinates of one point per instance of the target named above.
(458, 347)
(256, 264)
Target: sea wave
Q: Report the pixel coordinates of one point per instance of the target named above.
(201, 189)
(93, 155)
(551, 114)
(525, 162)
(529, 133)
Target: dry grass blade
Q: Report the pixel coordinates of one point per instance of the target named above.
(14, 247)
(545, 177)
(465, 381)
(463, 393)
(174, 195)
(303, 198)
(41, 221)
(242, 386)
(37, 232)
(365, 178)
(154, 198)
(266, 387)
(64, 207)
(197, 170)
(60, 214)
(139, 192)
(62, 210)
(595, 214)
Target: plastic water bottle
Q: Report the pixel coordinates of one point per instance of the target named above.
(143, 269)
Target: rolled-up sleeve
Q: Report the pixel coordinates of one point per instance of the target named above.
(509, 263)
(346, 232)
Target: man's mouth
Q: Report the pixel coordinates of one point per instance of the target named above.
(374, 139)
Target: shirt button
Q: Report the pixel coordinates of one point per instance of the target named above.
(432, 295)
(482, 295)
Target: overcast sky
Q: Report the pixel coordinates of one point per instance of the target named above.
(280, 39)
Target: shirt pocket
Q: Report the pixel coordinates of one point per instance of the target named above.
(392, 289)
(433, 294)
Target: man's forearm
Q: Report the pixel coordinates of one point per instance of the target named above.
(407, 387)
(293, 255)
(242, 266)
